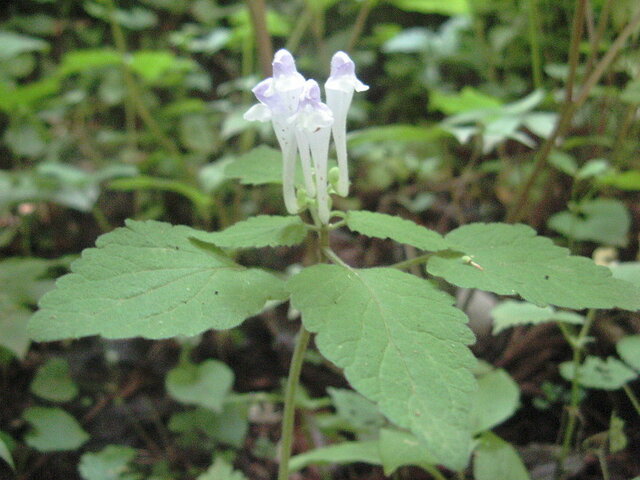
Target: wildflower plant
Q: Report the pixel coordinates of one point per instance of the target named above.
(398, 337)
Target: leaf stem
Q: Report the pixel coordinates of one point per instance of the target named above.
(577, 345)
(632, 398)
(412, 261)
(534, 43)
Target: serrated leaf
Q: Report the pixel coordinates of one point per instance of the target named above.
(594, 372)
(206, 384)
(602, 220)
(148, 279)
(629, 350)
(341, 453)
(511, 313)
(402, 345)
(110, 463)
(512, 260)
(53, 430)
(398, 449)
(495, 458)
(53, 381)
(496, 399)
(260, 231)
(380, 225)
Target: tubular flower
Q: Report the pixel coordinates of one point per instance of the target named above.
(302, 123)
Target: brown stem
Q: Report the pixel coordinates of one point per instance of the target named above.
(258, 13)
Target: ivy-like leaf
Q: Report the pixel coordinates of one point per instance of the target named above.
(148, 279)
(53, 381)
(53, 430)
(341, 453)
(512, 260)
(609, 374)
(496, 399)
(206, 384)
(401, 344)
(380, 225)
(110, 463)
(495, 458)
(260, 231)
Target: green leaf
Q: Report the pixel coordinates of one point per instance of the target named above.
(78, 61)
(496, 399)
(341, 454)
(627, 271)
(629, 180)
(602, 220)
(221, 470)
(401, 344)
(110, 463)
(5, 454)
(53, 381)
(512, 260)
(398, 449)
(511, 313)
(443, 7)
(596, 373)
(564, 162)
(228, 427)
(148, 279)
(259, 166)
(468, 99)
(495, 458)
(206, 384)
(617, 439)
(629, 350)
(260, 231)
(13, 44)
(396, 133)
(152, 65)
(53, 430)
(146, 182)
(13, 328)
(380, 225)
(356, 410)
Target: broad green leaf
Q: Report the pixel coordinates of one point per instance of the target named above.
(221, 470)
(228, 427)
(13, 328)
(511, 313)
(206, 384)
(380, 225)
(596, 373)
(260, 231)
(496, 399)
(341, 454)
(629, 350)
(13, 44)
(396, 133)
(602, 220)
(512, 260)
(78, 61)
(401, 344)
(148, 279)
(564, 162)
(398, 449)
(443, 7)
(628, 271)
(53, 429)
(495, 458)
(629, 180)
(146, 182)
(468, 99)
(110, 463)
(5, 454)
(152, 65)
(356, 410)
(259, 166)
(53, 381)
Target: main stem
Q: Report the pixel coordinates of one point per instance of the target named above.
(289, 414)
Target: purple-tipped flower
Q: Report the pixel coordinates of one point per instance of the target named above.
(302, 123)
(339, 89)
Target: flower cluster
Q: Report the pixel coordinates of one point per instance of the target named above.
(303, 125)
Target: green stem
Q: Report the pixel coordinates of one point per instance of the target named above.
(360, 22)
(258, 13)
(413, 261)
(534, 42)
(288, 417)
(577, 345)
(632, 398)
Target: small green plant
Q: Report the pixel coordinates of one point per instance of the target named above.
(397, 336)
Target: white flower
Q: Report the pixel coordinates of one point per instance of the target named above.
(339, 89)
(302, 123)
(313, 131)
